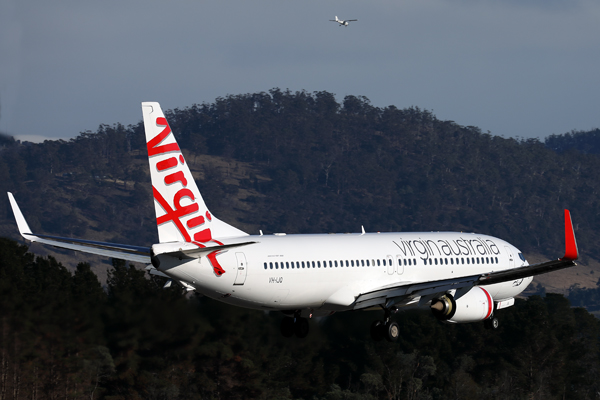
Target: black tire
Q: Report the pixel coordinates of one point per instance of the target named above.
(377, 331)
(491, 323)
(287, 326)
(392, 331)
(301, 327)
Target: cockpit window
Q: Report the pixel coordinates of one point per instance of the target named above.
(521, 256)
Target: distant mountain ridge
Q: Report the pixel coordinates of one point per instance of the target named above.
(302, 162)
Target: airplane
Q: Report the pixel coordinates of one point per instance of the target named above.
(342, 22)
(461, 277)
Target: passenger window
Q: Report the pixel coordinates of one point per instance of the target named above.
(303, 264)
(467, 260)
(335, 263)
(265, 265)
(378, 263)
(271, 265)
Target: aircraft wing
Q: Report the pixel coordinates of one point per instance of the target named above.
(524, 272)
(571, 254)
(406, 292)
(121, 251)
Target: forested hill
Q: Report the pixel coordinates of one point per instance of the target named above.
(587, 142)
(303, 162)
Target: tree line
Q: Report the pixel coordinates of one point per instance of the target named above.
(65, 336)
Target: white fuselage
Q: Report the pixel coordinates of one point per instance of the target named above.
(326, 272)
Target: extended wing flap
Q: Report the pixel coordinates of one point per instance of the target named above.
(389, 296)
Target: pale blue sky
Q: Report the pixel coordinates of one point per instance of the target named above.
(515, 68)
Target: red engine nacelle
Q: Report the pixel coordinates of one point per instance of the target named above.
(476, 305)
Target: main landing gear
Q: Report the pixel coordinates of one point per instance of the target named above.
(385, 329)
(296, 325)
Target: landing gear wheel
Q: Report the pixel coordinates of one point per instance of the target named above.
(491, 323)
(301, 327)
(377, 330)
(287, 326)
(392, 331)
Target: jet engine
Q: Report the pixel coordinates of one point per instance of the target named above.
(475, 305)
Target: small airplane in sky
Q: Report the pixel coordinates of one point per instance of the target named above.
(342, 22)
(461, 277)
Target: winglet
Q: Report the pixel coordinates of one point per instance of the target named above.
(571, 252)
(24, 229)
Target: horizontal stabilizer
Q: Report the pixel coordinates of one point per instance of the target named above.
(183, 250)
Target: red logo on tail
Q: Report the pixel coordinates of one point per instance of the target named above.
(179, 211)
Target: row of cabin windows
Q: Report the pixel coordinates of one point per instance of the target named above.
(335, 264)
(463, 260)
(372, 263)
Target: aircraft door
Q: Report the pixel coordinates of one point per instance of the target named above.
(399, 266)
(241, 268)
(390, 265)
(511, 259)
